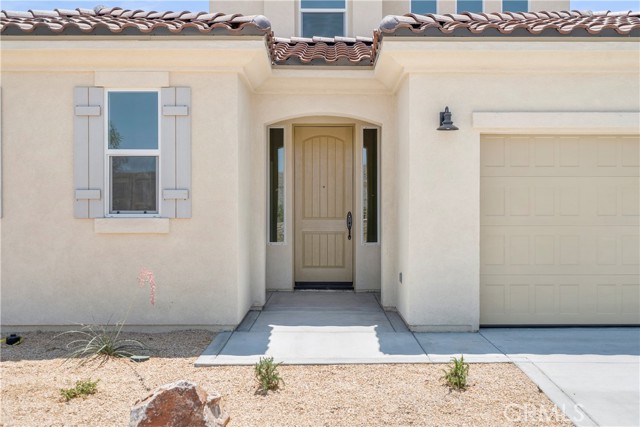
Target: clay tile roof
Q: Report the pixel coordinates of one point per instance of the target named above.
(324, 51)
(114, 21)
(517, 24)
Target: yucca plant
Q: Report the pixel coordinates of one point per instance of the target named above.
(266, 373)
(101, 342)
(456, 375)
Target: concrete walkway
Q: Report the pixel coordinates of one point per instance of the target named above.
(592, 374)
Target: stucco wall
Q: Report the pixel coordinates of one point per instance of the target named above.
(211, 268)
(57, 270)
(399, 260)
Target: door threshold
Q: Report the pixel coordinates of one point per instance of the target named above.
(330, 286)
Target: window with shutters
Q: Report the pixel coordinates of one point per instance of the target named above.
(132, 152)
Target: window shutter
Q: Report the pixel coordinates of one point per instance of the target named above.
(88, 159)
(0, 152)
(176, 152)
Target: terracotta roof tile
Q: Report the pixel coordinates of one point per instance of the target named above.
(111, 21)
(517, 24)
(334, 51)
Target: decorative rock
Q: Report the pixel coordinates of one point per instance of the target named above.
(181, 404)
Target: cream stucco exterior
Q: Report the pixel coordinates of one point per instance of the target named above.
(213, 267)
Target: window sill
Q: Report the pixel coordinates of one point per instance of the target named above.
(131, 226)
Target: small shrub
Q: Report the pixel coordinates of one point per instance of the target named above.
(101, 342)
(82, 389)
(266, 373)
(456, 375)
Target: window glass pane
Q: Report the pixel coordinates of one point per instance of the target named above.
(322, 24)
(276, 185)
(469, 6)
(133, 120)
(515, 5)
(134, 184)
(370, 185)
(322, 4)
(424, 6)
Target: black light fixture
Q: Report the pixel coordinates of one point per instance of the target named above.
(445, 120)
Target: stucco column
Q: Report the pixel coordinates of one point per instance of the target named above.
(440, 199)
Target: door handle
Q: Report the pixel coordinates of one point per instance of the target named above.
(349, 224)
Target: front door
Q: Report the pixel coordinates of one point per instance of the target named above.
(323, 199)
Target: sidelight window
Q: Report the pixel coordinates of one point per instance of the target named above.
(370, 186)
(276, 185)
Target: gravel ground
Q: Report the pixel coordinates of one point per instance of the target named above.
(327, 395)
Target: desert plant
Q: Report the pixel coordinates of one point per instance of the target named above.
(82, 388)
(456, 375)
(266, 373)
(101, 342)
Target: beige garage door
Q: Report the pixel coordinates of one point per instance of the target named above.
(559, 230)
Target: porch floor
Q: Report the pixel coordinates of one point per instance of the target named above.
(307, 327)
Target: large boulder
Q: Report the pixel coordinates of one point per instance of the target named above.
(181, 404)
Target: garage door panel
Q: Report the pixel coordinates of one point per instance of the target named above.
(560, 230)
(560, 156)
(553, 201)
(559, 250)
(548, 299)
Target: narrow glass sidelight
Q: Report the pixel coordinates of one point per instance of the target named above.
(370, 186)
(276, 185)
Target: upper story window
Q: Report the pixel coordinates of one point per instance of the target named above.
(424, 6)
(515, 5)
(469, 6)
(132, 152)
(324, 18)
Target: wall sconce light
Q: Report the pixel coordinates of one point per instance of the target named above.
(445, 120)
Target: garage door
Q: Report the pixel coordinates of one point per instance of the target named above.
(559, 230)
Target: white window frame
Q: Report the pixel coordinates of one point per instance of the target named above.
(109, 153)
(330, 10)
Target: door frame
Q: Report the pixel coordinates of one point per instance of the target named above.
(367, 257)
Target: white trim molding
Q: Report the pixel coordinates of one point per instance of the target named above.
(588, 122)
